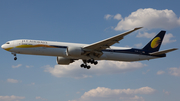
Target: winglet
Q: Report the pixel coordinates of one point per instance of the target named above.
(138, 28)
(124, 34)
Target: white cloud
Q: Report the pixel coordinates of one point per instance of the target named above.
(135, 98)
(118, 17)
(108, 16)
(29, 66)
(109, 28)
(102, 93)
(11, 98)
(104, 67)
(31, 84)
(19, 65)
(146, 71)
(174, 71)
(78, 92)
(40, 98)
(146, 35)
(160, 72)
(167, 39)
(166, 92)
(138, 45)
(12, 81)
(149, 18)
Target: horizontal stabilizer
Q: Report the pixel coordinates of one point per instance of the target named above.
(163, 52)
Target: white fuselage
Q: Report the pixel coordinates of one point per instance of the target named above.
(50, 48)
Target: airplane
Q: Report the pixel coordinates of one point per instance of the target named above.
(67, 53)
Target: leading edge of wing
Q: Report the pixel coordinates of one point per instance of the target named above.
(109, 41)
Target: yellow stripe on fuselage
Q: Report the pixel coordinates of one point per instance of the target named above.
(33, 46)
(30, 46)
(7, 49)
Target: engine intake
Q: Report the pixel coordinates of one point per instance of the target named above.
(64, 61)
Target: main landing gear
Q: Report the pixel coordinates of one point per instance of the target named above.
(15, 58)
(92, 61)
(85, 66)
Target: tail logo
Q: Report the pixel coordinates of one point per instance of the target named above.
(155, 42)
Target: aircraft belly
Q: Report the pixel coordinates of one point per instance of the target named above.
(145, 57)
(121, 56)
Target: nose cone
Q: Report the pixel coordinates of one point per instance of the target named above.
(3, 46)
(6, 47)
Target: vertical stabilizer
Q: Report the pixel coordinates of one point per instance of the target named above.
(155, 43)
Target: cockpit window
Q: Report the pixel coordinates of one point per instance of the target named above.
(7, 43)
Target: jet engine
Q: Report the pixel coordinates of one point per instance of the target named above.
(64, 61)
(74, 51)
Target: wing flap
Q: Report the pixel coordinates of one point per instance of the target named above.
(163, 52)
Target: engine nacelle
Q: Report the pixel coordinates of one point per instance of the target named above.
(74, 51)
(64, 61)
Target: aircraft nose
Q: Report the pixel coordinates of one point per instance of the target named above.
(2, 47)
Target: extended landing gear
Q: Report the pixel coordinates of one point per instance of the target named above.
(92, 61)
(88, 61)
(15, 58)
(85, 66)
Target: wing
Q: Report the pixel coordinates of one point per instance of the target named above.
(98, 46)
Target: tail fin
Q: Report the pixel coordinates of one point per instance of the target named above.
(155, 43)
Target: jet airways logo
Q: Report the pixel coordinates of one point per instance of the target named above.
(155, 42)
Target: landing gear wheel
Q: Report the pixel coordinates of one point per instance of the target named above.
(95, 62)
(88, 61)
(92, 61)
(88, 67)
(82, 65)
(85, 66)
(15, 58)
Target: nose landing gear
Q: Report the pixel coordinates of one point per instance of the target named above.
(15, 58)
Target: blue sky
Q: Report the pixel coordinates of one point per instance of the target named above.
(39, 78)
